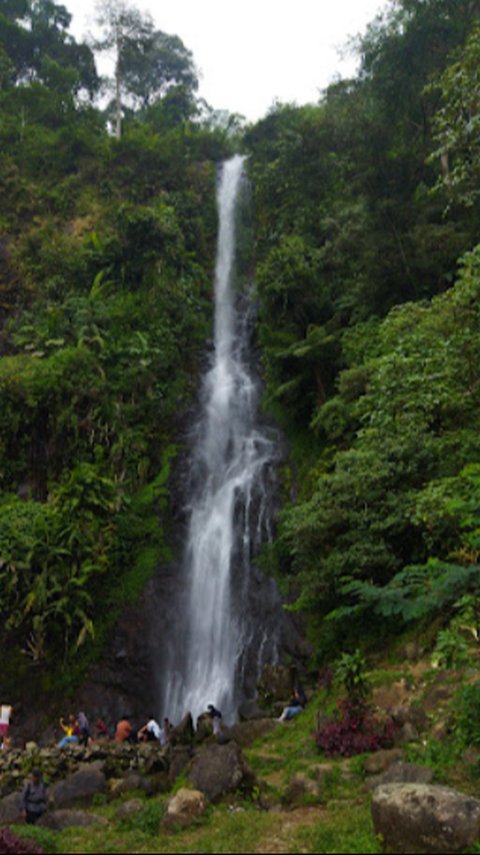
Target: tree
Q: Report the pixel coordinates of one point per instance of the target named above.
(122, 25)
(457, 123)
(156, 64)
(148, 62)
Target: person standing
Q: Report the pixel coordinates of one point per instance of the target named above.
(84, 728)
(5, 716)
(34, 798)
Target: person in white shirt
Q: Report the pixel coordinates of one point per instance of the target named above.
(150, 731)
(5, 716)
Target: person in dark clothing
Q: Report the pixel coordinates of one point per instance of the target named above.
(34, 798)
(216, 717)
(84, 728)
(297, 705)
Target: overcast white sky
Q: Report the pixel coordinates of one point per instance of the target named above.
(260, 51)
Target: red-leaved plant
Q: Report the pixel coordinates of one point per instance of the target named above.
(357, 730)
(12, 844)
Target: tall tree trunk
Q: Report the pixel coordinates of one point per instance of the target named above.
(118, 92)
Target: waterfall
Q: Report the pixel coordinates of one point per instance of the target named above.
(216, 636)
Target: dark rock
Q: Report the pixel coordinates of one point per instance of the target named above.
(11, 809)
(275, 684)
(204, 729)
(219, 770)
(179, 760)
(402, 773)
(57, 820)
(183, 733)
(79, 787)
(247, 732)
(420, 818)
(132, 781)
(380, 761)
(249, 711)
(300, 786)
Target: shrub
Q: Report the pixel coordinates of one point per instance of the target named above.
(350, 671)
(12, 843)
(357, 731)
(451, 650)
(467, 720)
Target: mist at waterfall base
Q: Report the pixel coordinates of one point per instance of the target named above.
(227, 614)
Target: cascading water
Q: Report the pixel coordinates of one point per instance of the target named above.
(215, 634)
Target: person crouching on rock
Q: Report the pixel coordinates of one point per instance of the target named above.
(216, 717)
(34, 798)
(150, 732)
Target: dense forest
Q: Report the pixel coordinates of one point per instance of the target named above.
(368, 284)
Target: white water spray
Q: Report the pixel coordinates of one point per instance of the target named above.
(228, 515)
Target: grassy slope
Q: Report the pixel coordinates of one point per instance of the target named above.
(338, 820)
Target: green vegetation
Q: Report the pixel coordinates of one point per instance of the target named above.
(368, 283)
(106, 250)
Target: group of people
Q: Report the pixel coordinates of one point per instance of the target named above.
(150, 732)
(76, 729)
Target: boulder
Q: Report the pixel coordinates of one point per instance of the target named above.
(57, 820)
(421, 818)
(221, 769)
(275, 684)
(11, 809)
(247, 732)
(184, 808)
(179, 759)
(132, 781)
(298, 788)
(183, 733)
(249, 711)
(129, 809)
(380, 761)
(402, 773)
(79, 787)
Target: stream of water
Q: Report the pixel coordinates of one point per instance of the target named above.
(228, 508)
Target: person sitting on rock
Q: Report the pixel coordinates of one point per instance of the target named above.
(34, 798)
(216, 717)
(150, 732)
(71, 730)
(101, 731)
(124, 731)
(296, 705)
